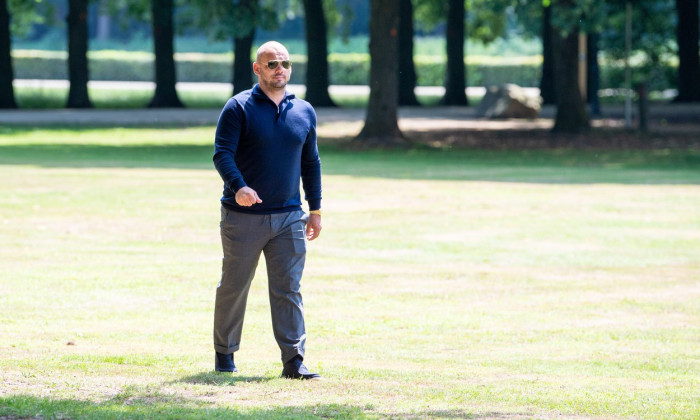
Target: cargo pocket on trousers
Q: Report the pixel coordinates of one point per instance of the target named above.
(299, 236)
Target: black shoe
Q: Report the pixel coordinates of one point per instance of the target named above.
(294, 369)
(224, 363)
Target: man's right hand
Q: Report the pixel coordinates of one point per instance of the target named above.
(247, 196)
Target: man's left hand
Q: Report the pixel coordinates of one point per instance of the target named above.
(313, 227)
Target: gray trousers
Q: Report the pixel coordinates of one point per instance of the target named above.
(282, 238)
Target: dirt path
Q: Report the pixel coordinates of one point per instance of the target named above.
(669, 118)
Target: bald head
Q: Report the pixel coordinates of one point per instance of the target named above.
(273, 48)
(273, 68)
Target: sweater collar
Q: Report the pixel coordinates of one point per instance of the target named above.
(258, 93)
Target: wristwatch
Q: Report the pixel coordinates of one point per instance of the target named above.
(316, 212)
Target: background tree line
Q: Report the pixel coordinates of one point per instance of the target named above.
(660, 27)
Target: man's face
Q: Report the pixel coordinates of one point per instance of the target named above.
(273, 78)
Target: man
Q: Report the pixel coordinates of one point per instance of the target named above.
(266, 142)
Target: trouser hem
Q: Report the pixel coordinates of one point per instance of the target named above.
(292, 354)
(225, 350)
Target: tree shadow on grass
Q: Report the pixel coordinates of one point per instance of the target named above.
(550, 166)
(221, 379)
(169, 406)
(461, 414)
(108, 156)
(163, 406)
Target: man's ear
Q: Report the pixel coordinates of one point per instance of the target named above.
(256, 69)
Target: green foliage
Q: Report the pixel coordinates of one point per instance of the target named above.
(104, 65)
(24, 13)
(424, 45)
(348, 69)
(339, 16)
(482, 71)
(126, 10)
(656, 77)
(579, 15)
(653, 26)
(485, 19)
(345, 69)
(529, 21)
(236, 18)
(214, 98)
(55, 98)
(653, 32)
(428, 13)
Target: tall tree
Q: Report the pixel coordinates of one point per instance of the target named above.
(592, 73)
(242, 67)
(163, 33)
(455, 79)
(534, 20)
(688, 37)
(547, 86)
(571, 114)
(78, 74)
(317, 79)
(407, 68)
(16, 18)
(381, 127)
(7, 93)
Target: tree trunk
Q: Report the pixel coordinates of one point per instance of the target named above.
(407, 68)
(7, 93)
(455, 80)
(242, 67)
(78, 75)
(547, 86)
(317, 54)
(163, 33)
(688, 37)
(571, 111)
(381, 124)
(592, 73)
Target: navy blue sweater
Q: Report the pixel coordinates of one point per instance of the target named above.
(268, 148)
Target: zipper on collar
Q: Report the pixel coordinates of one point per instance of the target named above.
(279, 108)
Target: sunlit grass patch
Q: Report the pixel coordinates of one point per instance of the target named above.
(49, 97)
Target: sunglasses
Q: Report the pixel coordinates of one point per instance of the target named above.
(272, 64)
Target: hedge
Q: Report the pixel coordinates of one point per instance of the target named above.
(345, 69)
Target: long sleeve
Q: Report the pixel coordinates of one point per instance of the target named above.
(311, 168)
(270, 148)
(228, 134)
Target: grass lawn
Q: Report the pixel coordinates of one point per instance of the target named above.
(106, 98)
(446, 284)
(424, 45)
(48, 97)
